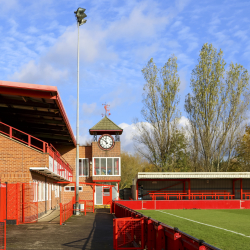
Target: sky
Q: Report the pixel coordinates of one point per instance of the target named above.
(39, 45)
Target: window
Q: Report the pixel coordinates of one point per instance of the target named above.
(56, 191)
(35, 185)
(106, 166)
(41, 191)
(83, 167)
(71, 189)
(49, 197)
(106, 192)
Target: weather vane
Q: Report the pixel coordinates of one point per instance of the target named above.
(106, 106)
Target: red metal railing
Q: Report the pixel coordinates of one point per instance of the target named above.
(246, 195)
(66, 210)
(88, 206)
(193, 196)
(157, 235)
(128, 233)
(61, 167)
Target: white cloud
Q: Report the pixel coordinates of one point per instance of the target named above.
(183, 121)
(129, 130)
(88, 108)
(32, 73)
(139, 22)
(127, 137)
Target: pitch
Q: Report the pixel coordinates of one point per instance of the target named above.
(225, 229)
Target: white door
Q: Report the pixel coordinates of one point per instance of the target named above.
(98, 195)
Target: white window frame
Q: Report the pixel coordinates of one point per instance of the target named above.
(82, 168)
(93, 165)
(49, 190)
(41, 191)
(71, 189)
(35, 189)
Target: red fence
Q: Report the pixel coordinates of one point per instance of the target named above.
(128, 233)
(29, 203)
(14, 201)
(66, 210)
(88, 206)
(158, 236)
(18, 203)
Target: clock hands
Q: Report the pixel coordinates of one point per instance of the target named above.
(106, 142)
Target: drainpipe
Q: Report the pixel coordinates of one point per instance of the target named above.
(46, 198)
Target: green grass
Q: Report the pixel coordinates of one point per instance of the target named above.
(231, 219)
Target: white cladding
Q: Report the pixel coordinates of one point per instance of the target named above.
(50, 163)
(192, 175)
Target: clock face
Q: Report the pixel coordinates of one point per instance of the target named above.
(106, 142)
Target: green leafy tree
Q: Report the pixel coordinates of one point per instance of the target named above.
(242, 159)
(155, 136)
(216, 107)
(130, 166)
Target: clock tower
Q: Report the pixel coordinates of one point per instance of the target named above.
(106, 159)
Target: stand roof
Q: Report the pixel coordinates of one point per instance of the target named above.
(36, 110)
(191, 175)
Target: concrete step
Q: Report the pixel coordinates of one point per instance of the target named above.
(102, 206)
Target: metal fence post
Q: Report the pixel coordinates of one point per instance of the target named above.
(150, 235)
(60, 213)
(6, 183)
(17, 207)
(23, 200)
(160, 238)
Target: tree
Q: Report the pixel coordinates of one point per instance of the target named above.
(155, 137)
(216, 108)
(130, 166)
(242, 158)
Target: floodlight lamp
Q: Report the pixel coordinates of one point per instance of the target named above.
(80, 15)
(82, 22)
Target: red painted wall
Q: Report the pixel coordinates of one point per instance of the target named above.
(194, 204)
(136, 205)
(245, 204)
(2, 202)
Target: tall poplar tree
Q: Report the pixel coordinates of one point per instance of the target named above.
(216, 107)
(157, 138)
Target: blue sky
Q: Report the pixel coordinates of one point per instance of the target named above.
(39, 45)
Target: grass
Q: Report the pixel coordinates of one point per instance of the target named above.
(231, 219)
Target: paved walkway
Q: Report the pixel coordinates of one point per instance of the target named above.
(93, 231)
(53, 216)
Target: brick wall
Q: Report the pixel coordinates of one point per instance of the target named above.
(114, 152)
(16, 159)
(69, 154)
(15, 162)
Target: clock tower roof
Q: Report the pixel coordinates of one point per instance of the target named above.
(105, 126)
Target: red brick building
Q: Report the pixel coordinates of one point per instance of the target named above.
(37, 145)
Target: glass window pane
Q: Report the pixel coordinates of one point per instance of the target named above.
(80, 167)
(116, 166)
(86, 167)
(103, 166)
(109, 166)
(97, 166)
